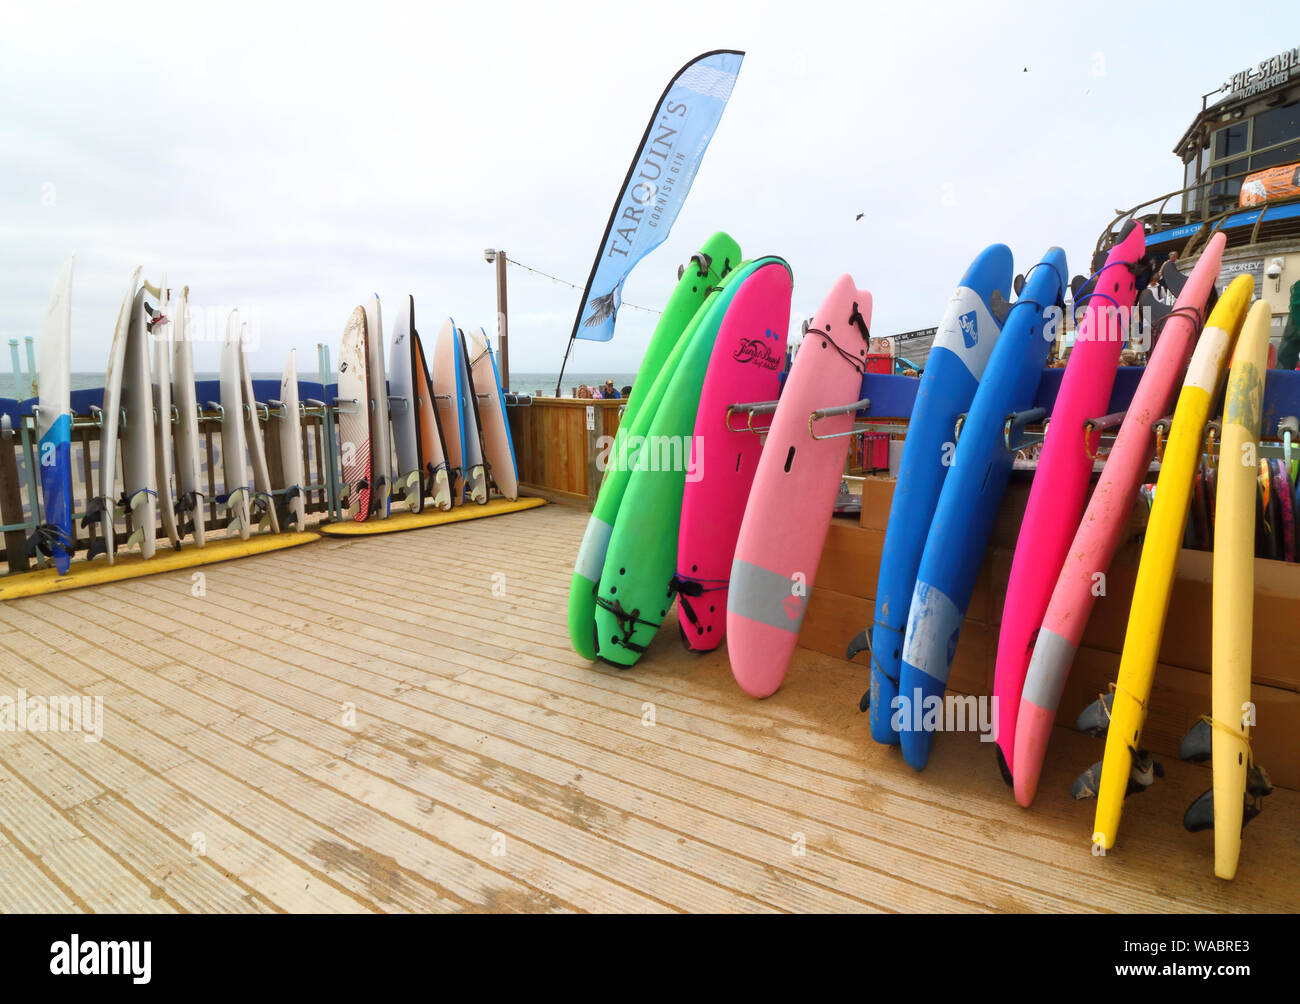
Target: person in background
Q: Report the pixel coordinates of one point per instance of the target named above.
(609, 390)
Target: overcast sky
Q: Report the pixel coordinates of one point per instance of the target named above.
(293, 162)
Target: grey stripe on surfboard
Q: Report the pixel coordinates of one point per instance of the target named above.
(762, 596)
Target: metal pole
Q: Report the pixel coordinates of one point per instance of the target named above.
(31, 362)
(503, 326)
(18, 369)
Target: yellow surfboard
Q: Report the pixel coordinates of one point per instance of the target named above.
(1164, 540)
(1227, 732)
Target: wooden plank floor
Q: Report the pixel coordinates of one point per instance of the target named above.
(397, 723)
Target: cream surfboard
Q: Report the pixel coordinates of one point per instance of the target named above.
(451, 408)
(354, 417)
(405, 407)
(262, 505)
(492, 414)
(1239, 783)
(1126, 767)
(433, 446)
(290, 432)
(189, 483)
(102, 507)
(234, 458)
(160, 330)
(476, 468)
(139, 474)
(381, 449)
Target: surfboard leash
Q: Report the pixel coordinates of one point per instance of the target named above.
(687, 588)
(859, 363)
(627, 622)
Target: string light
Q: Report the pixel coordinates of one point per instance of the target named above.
(565, 282)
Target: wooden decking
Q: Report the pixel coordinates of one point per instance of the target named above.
(489, 768)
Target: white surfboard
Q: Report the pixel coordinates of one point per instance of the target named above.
(160, 328)
(189, 487)
(234, 456)
(139, 475)
(103, 507)
(291, 445)
(405, 404)
(493, 421)
(262, 506)
(476, 473)
(381, 460)
(354, 417)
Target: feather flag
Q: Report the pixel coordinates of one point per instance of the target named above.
(656, 184)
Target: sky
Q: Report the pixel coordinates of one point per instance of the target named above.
(291, 161)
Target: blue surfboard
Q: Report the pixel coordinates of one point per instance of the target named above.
(968, 502)
(958, 358)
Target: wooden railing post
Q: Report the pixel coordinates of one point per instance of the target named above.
(11, 501)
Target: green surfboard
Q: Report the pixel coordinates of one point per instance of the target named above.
(717, 260)
(634, 596)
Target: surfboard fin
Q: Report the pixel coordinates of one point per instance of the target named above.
(1143, 773)
(1003, 768)
(1088, 783)
(1197, 745)
(999, 306)
(861, 643)
(1095, 718)
(97, 547)
(1200, 814)
(1258, 785)
(1153, 308)
(46, 539)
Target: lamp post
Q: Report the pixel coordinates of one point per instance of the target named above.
(492, 256)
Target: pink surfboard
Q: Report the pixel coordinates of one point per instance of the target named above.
(1099, 532)
(793, 495)
(745, 367)
(1061, 481)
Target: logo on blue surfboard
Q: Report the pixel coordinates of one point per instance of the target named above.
(969, 328)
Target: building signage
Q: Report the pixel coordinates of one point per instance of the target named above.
(1266, 74)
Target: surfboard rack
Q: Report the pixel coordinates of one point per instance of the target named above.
(750, 410)
(1015, 425)
(394, 400)
(348, 406)
(1288, 430)
(844, 409)
(1096, 426)
(519, 400)
(276, 407)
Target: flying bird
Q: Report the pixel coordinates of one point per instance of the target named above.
(859, 216)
